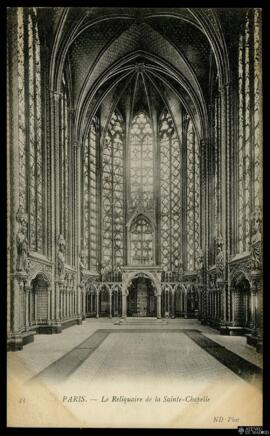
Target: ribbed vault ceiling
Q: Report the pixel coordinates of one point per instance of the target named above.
(159, 53)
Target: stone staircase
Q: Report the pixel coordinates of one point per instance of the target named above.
(140, 321)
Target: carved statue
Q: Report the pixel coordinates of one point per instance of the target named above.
(72, 282)
(61, 257)
(22, 242)
(82, 262)
(83, 267)
(220, 266)
(256, 240)
(212, 281)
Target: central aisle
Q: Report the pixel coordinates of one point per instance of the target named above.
(142, 357)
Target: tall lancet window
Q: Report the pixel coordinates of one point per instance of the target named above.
(249, 140)
(31, 189)
(141, 162)
(257, 110)
(90, 197)
(193, 198)
(170, 193)
(113, 194)
(21, 108)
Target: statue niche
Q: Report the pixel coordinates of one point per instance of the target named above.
(22, 264)
(256, 241)
(220, 265)
(200, 266)
(61, 257)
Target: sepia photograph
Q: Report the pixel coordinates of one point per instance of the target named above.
(134, 217)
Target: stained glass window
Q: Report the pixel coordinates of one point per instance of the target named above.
(141, 162)
(90, 197)
(21, 108)
(141, 242)
(249, 153)
(30, 140)
(170, 193)
(241, 149)
(247, 137)
(193, 198)
(257, 110)
(113, 194)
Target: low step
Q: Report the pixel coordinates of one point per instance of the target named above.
(140, 321)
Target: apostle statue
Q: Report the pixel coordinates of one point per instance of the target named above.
(61, 257)
(22, 242)
(256, 240)
(82, 263)
(220, 265)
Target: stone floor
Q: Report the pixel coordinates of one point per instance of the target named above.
(101, 358)
(48, 348)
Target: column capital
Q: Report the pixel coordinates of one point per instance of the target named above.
(28, 288)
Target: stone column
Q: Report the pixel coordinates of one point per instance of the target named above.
(53, 159)
(124, 305)
(200, 296)
(221, 285)
(159, 306)
(110, 303)
(83, 301)
(173, 304)
(89, 302)
(232, 290)
(49, 304)
(224, 194)
(31, 306)
(27, 289)
(66, 302)
(78, 301)
(185, 304)
(59, 289)
(97, 304)
(253, 297)
(35, 297)
(14, 339)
